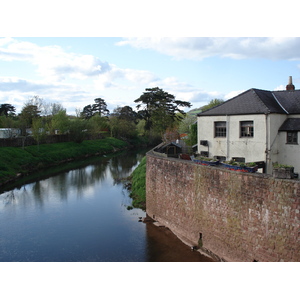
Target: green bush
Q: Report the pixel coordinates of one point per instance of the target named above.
(138, 185)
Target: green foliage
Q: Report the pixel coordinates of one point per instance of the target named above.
(78, 130)
(17, 160)
(240, 164)
(7, 110)
(186, 123)
(29, 112)
(207, 158)
(192, 135)
(98, 108)
(122, 128)
(138, 188)
(212, 104)
(38, 130)
(60, 122)
(276, 165)
(160, 110)
(194, 112)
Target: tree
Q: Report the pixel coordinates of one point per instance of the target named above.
(7, 110)
(38, 102)
(87, 112)
(56, 108)
(60, 122)
(126, 113)
(28, 113)
(38, 130)
(98, 124)
(187, 122)
(170, 136)
(212, 103)
(160, 110)
(100, 107)
(78, 130)
(193, 135)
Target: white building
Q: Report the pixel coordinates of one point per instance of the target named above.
(255, 126)
(6, 133)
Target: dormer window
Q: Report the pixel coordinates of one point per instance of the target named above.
(246, 129)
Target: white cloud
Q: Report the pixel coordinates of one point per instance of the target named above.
(232, 94)
(126, 79)
(198, 48)
(116, 85)
(52, 62)
(17, 91)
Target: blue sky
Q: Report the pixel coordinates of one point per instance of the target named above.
(75, 71)
(74, 62)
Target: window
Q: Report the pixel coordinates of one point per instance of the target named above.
(238, 159)
(220, 129)
(292, 137)
(220, 158)
(204, 153)
(247, 129)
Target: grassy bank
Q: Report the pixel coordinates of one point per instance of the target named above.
(17, 161)
(138, 185)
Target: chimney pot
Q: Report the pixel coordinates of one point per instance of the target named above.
(290, 86)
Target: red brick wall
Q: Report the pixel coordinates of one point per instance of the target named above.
(240, 217)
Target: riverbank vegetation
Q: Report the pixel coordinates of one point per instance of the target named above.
(157, 117)
(15, 161)
(138, 185)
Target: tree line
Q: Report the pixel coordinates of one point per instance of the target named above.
(156, 116)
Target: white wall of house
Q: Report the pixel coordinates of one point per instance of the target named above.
(288, 154)
(251, 148)
(274, 144)
(267, 144)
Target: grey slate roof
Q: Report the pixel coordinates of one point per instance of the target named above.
(290, 124)
(255, 101)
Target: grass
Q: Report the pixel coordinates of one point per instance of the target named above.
(14, 161)
(138, 185)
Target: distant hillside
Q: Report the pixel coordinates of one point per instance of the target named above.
(194, 112)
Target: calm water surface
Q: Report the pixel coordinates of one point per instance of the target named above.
(81, 214)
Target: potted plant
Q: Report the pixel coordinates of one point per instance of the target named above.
(283, 171)
(249, 167)
(206, 161)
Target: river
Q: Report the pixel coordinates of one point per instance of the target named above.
(79, 213)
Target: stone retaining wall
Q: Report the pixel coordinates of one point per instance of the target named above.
(235, 216)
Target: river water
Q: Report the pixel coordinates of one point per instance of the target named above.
(80, 213)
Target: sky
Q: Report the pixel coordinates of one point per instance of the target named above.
(73, 71)
(70, 53)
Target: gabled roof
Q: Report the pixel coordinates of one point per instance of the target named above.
(255, 101)
(290, 124)
(171, 144)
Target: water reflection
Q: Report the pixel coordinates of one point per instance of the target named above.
(81, 214)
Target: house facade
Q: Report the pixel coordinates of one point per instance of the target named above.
(6, 133)
(255, 126)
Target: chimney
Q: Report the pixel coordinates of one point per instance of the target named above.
(290, 86)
